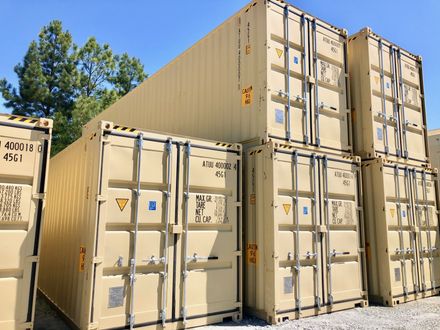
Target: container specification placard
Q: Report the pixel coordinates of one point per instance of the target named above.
(11, 197)
(209, 209)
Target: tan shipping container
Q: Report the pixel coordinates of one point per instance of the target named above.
(402, 234)
(303, 234)
(143, 230)
(389, 116)
(233, 84)
(434, 148)
(24, 155)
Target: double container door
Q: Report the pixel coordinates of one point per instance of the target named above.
(397, 102)
(321, 260)
(168, 237)
(23, 164)
(413, 234)
(308, 102)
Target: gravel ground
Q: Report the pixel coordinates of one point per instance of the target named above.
(46, 318)
(421, 314)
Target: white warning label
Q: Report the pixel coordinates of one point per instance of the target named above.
(329, 73)
(210, 209)
(342, 213)
(10, 203)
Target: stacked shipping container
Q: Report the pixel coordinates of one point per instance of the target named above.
(143, 230)
(275, 78)
(400, 189)
(24, 155)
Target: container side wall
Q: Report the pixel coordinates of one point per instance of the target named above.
(434, 149)
(214, 90)
(68, 236)
(24, 150)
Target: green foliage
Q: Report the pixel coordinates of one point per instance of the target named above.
(70, 84)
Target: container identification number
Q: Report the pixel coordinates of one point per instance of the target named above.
(14, 148)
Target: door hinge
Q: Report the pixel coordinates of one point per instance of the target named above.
(98, 260)
(41, 196)
(101, 198)
(237, 253)
(33, 258)
(27, 325)
(175, 229)
(93, 326)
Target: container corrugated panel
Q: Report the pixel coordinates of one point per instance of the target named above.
(24, 153)
(303, 234)
(434, 148)
(389, 116)
(143, 230)
(234, 84)
(402, 234)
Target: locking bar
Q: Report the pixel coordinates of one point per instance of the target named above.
(419, 227)
(399, 218)
(304, 82)
(428, 231)
(402, 106)
(131, 317)
(327, 224)
(287, 64)
(185, 236)
(383, 99)
(297, 232)
(167, 194)
(315, 63)
(316, 234)
(395, 103)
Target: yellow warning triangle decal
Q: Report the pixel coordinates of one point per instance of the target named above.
(392, 211)
(279, 52)
(122, 202)
(377, 80)
(287, 208)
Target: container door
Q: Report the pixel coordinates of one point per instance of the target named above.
(329, 103)
(298, 282)
(426, 221)
(133, 281)
(342, 257)
(412, 109)
(288, 71)
(208, 278)
(23, 159)
(384, 98)
(401, 237)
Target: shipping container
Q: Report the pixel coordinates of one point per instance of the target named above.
(434, 148)
(24, 155)
(389, 116)
(143, 230)
(402, 234)
(271, 71)
(303, 233)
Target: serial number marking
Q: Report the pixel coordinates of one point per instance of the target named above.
(16, 150)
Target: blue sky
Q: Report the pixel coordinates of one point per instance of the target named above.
(158, 31)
